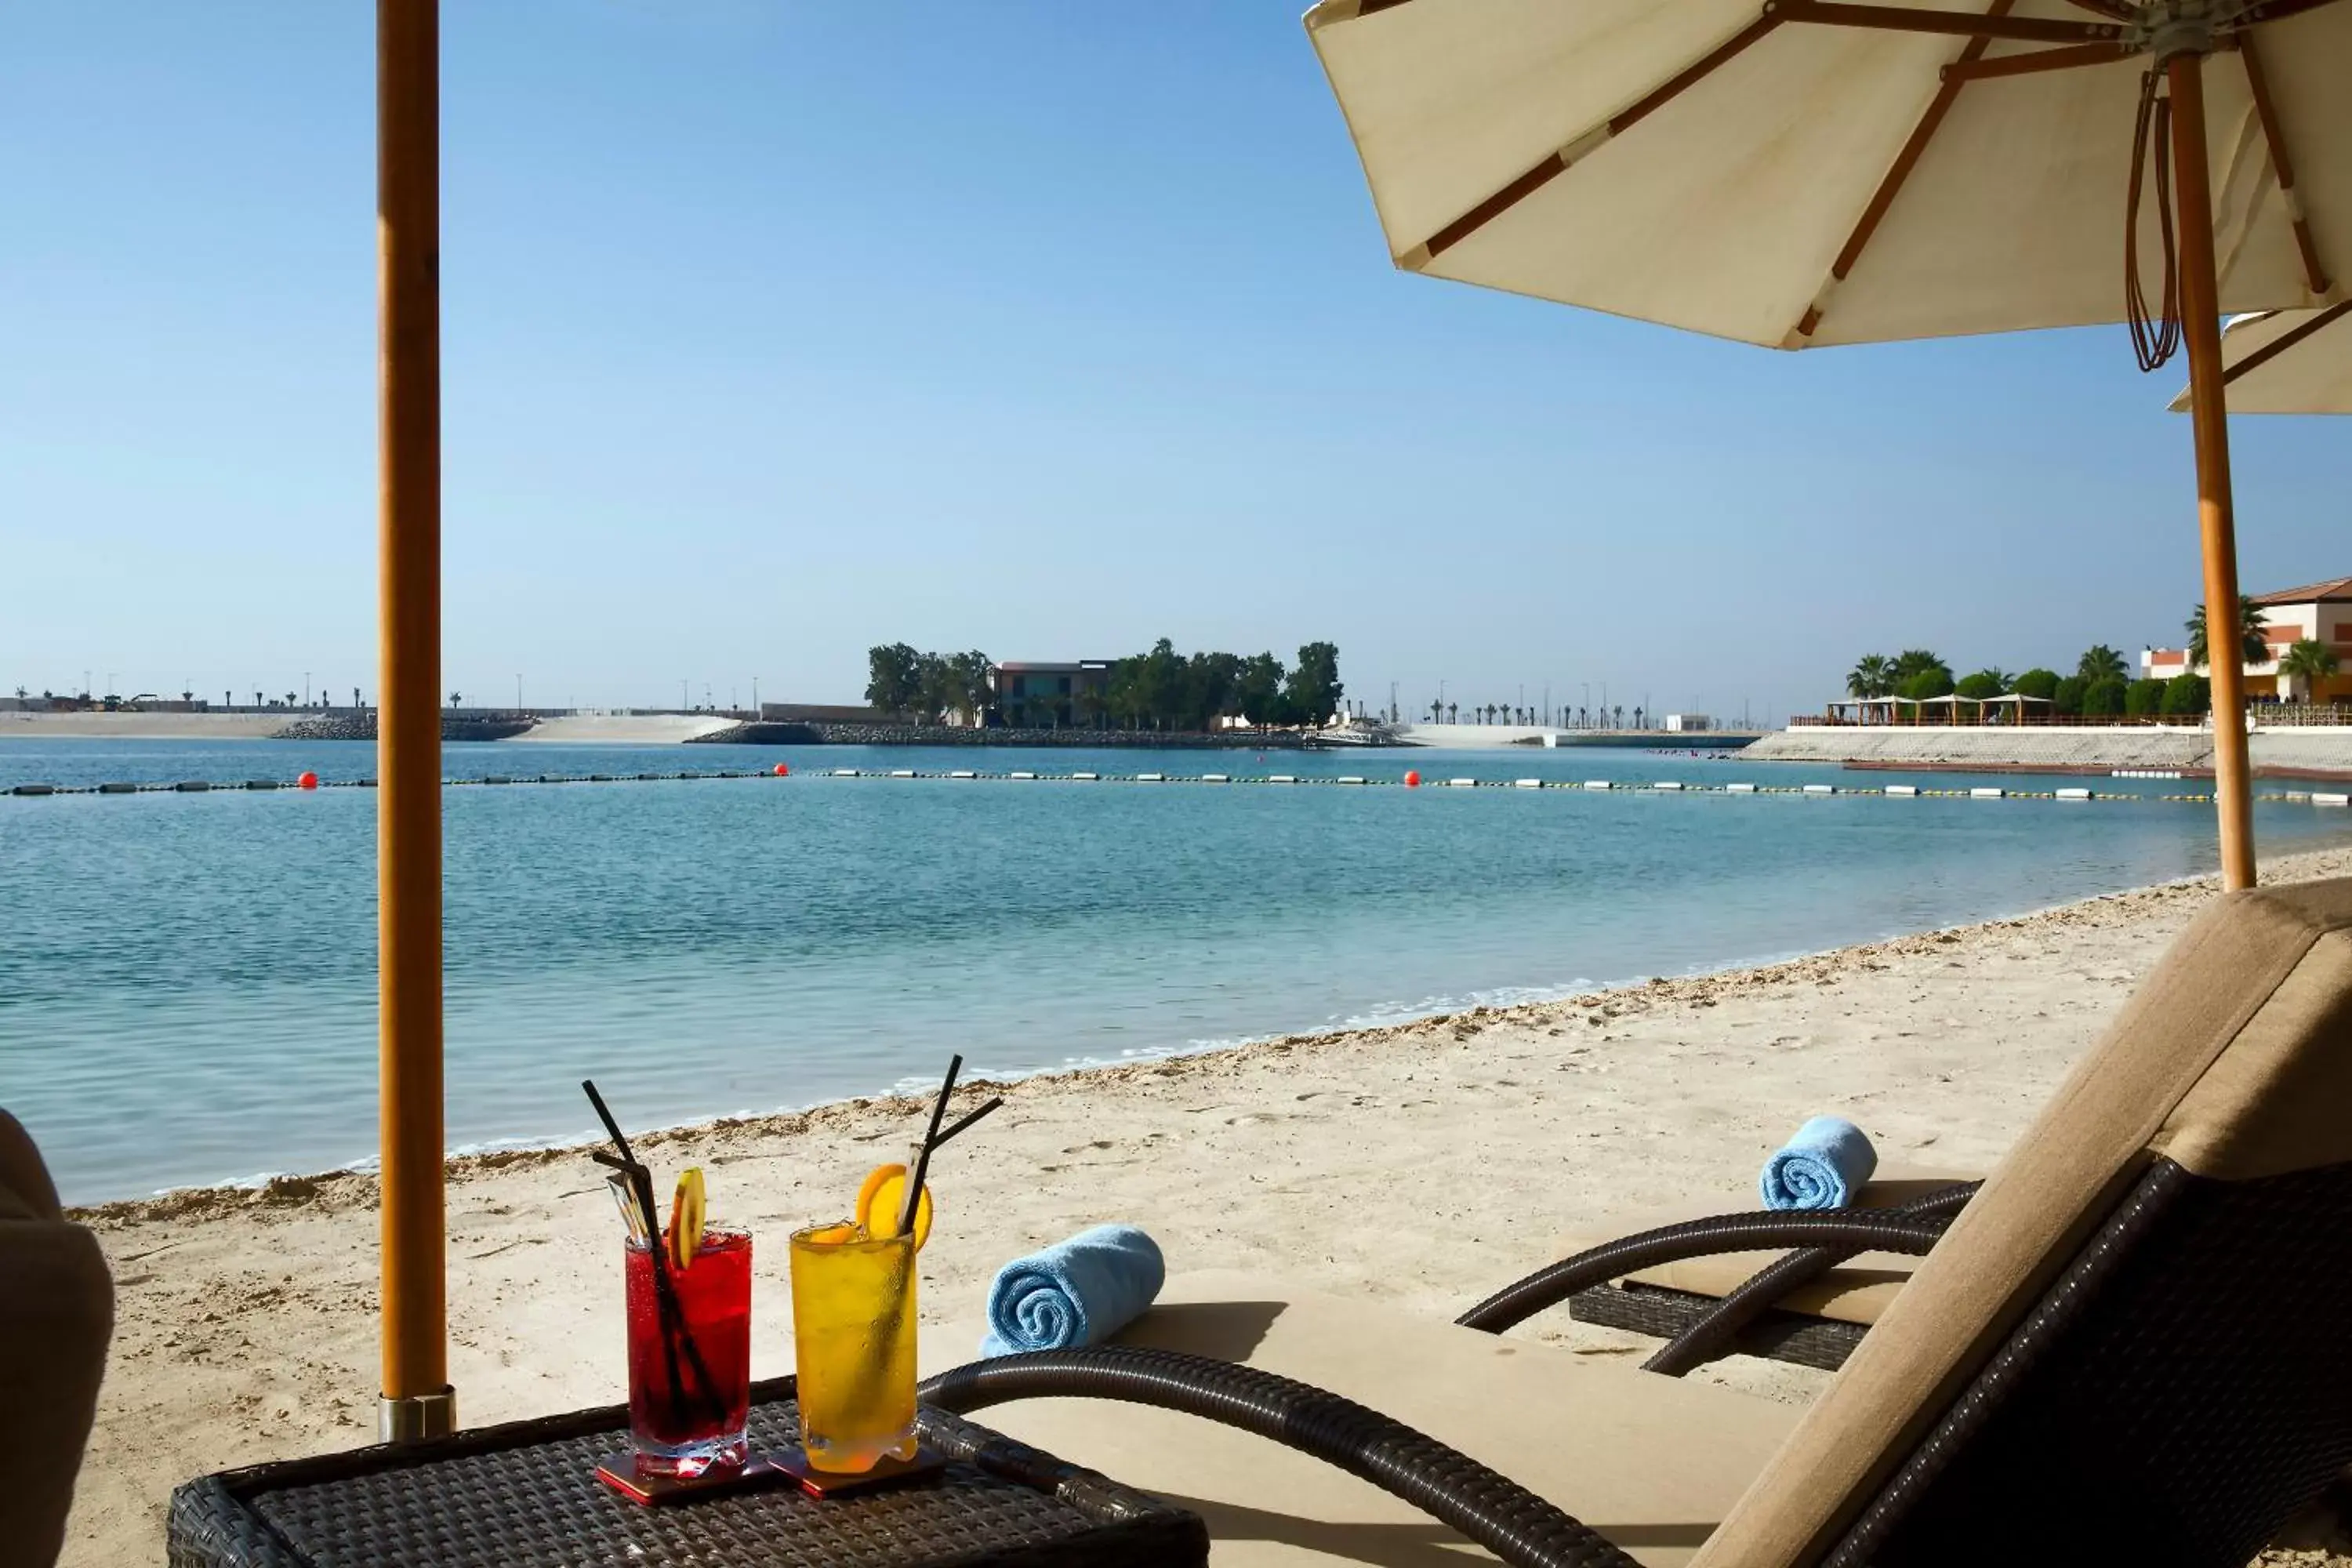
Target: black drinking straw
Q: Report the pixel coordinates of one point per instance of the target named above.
(673, 1331)
(940, 1141)
(923, 1154)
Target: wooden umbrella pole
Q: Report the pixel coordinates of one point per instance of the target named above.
(417, 1401)
(2200, 327)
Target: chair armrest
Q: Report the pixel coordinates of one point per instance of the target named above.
(1713, 1335)
(1498, 1513)
(1859, 1230)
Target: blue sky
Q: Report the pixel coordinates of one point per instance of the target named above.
(774, 331)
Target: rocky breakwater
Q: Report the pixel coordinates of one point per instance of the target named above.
(811, 734)
(361, 726)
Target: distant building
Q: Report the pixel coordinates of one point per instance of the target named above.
(2319, 611)
(1685, 723)
(1044, 696)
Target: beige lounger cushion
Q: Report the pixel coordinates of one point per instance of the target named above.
(1650, 1461)
(57, 1312)
(2235, 1060)
(1854, 1292)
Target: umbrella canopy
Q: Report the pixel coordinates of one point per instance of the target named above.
(2287, 361)
(1805, 173)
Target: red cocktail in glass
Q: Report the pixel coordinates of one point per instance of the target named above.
(690, 1357)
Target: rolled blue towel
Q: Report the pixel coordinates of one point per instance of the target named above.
(1822, 1167)
(1076, 1292)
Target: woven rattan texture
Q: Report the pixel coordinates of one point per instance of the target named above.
(1794, 1337)
(2179, 1393)
(537, 1504)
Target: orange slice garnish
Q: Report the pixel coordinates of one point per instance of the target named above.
(882, 1194)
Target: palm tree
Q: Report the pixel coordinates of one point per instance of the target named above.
(1918, 661)
(1872, 676)
(2307, 662)
(1454, 712)
(2100, 662)
(1436, 712)
(2252, 647)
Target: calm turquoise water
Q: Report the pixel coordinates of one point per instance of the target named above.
(187, 982)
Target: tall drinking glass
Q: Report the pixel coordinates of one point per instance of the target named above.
(853, 1345)
(690, 1354)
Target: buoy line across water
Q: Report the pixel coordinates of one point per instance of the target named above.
(1412, 780)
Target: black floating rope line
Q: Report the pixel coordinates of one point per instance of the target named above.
(1496, 1512)
(1714, 1334)
(1863, 1229)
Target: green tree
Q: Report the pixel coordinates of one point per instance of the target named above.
(2253, 648)
(2144, 698)
(2037, 682)
(1873, 675)
(2187, 695)
(894, 681)
(2099, 662)
(1314, 690)
(1925, 683)
(2308, 663)
(935, 690)
(2066, 697)
(1257, 691)
(972, 684)
(1212, 682)
(1161, 685)
(2103, 696)
(1984, 683)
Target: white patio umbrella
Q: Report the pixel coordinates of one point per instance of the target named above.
(2287, 361)
(1805, 173)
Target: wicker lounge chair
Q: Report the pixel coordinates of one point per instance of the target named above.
(1810, 1306)
(56, 1312)
(2128, 1347)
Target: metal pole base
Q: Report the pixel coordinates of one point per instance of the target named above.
(416, 1415)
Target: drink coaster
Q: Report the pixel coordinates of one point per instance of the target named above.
(886, 1473)
(619, 1471)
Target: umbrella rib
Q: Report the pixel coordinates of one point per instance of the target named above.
(1558, 162)
(2280, 164)
(1959, 24)
(2286, 340)
(2063, 58)
(1904, 161)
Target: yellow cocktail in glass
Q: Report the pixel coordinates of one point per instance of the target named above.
(853, 1345)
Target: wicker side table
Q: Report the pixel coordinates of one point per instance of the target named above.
(525, 1495)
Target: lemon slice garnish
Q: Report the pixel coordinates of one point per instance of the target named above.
(686, 1214)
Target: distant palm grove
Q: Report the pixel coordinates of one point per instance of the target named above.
(2100, 685)
(1159, 689)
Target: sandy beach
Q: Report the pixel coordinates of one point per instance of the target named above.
(1420, 1165)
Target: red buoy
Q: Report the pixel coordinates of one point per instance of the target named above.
(308, 781)
(782, 771)
(1412, 780)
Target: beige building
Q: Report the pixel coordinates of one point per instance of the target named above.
(2320, 611)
